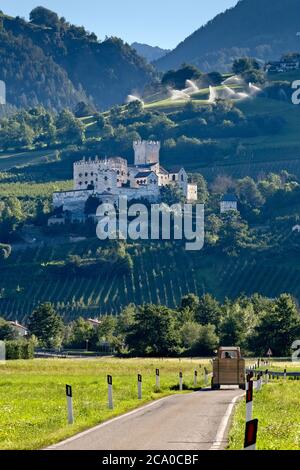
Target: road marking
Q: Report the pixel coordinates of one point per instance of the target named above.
(219, 439)
(102, 425)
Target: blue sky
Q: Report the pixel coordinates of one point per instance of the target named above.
(156, 22)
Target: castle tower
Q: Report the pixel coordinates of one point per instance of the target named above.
(146, 152)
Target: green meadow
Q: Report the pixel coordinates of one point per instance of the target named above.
(277, 409)
(33, 402)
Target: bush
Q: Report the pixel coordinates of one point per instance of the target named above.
(19, 349)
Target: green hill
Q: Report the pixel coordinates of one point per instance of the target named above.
(157, 277)
(260, 28)
(45, 62)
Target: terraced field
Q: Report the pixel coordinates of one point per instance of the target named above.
(161, 275)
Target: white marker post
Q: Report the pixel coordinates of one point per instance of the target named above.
(69, 395)
(140, 379)
(110, 393)
(157, 378)
(258, 383)
(195, 378)
(205, 376)
(180, 381)
(251, 435)
(267, 377)
(249, 399)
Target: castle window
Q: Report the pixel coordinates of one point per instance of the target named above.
(85, 182)
(92, 174)
(182, 178)
(105, 178)
(80, 175)
(86, 174)
(80, 183)
(118, 172)
(108, 189)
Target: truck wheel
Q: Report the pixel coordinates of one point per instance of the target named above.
(215, 386)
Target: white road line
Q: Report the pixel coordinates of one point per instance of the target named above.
(102, 425)
(219, 439)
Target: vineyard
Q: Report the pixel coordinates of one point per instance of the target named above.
(162, 274)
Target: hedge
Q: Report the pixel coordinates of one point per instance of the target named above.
(19, 349)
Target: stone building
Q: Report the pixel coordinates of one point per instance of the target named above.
(110, 178)
(228, 203)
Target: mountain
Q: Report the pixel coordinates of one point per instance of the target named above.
(53, 63)
(261, 28)
(150, 53)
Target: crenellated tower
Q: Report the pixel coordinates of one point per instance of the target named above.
(146, 152)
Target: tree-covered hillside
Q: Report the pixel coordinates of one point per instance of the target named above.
(45, 61)
(261, 28)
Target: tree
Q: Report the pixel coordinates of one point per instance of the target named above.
(83, 109)
(6, 331)
(43, 16)
(208, 311)
(106, 329)
(81, 331)
(279, 328)
(207, 341)
(178, 78)
(47, 325)
(171, 194)
(154, 332)
(190, 333)
(190, 301)
(249, 193)
(244, 64)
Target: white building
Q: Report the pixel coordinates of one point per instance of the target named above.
(110, 178)
(229, 203)
(19, 329)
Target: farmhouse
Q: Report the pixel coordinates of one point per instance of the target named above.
(18, 328)
(108, 179)
(282, 66)
(228, 203)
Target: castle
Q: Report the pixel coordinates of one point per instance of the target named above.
(110, 178)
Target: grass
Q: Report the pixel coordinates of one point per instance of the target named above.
(276, 407)
(32, 394)
(23, 190)
(11, 160)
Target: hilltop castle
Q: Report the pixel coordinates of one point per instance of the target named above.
(110, 178)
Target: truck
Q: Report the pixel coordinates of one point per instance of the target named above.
(228, 368)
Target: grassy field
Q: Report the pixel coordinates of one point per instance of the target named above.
(18, 159)
(23, 190)
(33, 410)
(276, 407)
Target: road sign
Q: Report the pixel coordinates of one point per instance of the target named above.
(270, 352)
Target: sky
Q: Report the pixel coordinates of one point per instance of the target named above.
(162, 23)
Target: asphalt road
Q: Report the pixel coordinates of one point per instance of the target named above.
(196, 421)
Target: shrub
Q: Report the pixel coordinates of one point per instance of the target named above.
(19, 349)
